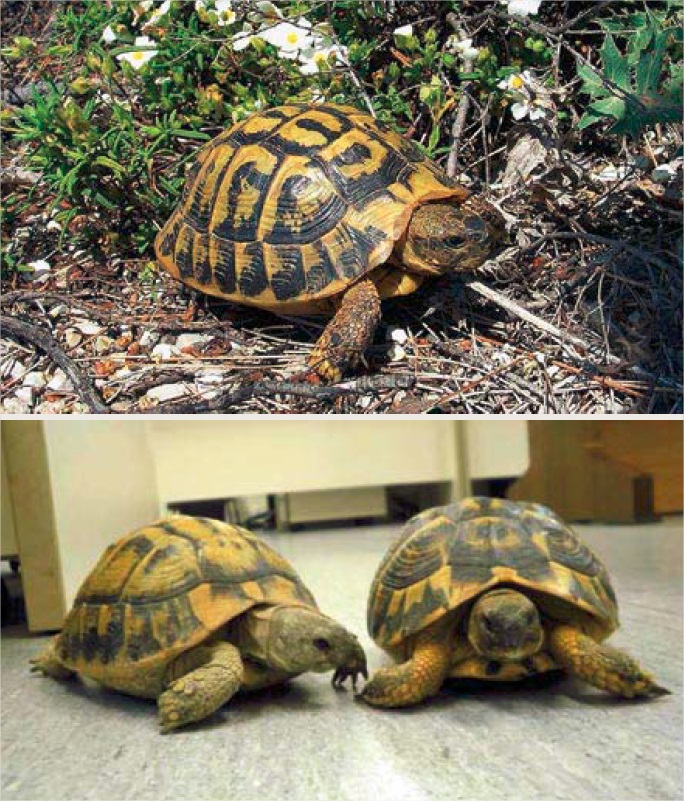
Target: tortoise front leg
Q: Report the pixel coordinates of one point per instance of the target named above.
(600, 665)
(416, 679)
(349, 333)
(199, 682)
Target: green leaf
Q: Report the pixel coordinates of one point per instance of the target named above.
(650, 65)
(107, 162)
(593, 85)
(615, 64)
(609, 107)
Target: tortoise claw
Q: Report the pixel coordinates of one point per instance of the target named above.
(343, 673)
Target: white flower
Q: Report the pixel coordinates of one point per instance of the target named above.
(522, 8)
(267, 11)
(158, 13)
(39, 266)
(139, 58)
(464, 48)
(225, 11)
(527, 108)
(525, 104)
(318, 56)
(244, 38)
(200, 5)
(405, 30)
(289, 38)
(108, 34)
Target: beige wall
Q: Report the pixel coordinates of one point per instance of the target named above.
(103, 485)
(496, 448)
(219, 458)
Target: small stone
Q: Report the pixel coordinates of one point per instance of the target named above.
(396, 353)
(103, 344)
(40, 270)
(17, 370)
(190, 340)
(35, 379)
(15, 405)
(167, 392)
(89, 328)
(398, 335)
(53, 226)
(209, 377)
(59, 382)
(26, 394)
(72, 338)
(149, 338)
(59, 309)
(164, 351)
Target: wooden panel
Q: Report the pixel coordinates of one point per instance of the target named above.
(572, 471)
(649, 446)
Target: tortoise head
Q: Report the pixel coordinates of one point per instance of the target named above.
(450, 236)
(303, 640)
(504, 625)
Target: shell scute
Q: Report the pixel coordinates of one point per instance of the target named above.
(291, 205)
(447, 556)
(166, 588)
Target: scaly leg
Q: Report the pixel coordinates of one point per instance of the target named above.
(600, 665)
(349, 333)
(49, 664)
(416, 679)
(198, 683)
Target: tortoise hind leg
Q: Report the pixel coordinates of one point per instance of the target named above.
(416, 679)
(349, 333)
(199, 682)
(600, 665)
(49, 664)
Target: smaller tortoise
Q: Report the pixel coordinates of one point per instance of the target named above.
(320, 209)
(495, 590)
(191, 610)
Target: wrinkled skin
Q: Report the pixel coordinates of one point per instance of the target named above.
(442, 237)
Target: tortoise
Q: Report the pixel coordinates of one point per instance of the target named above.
(191, 610)
(493, 590)
(320, 209)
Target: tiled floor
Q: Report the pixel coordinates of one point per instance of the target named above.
(306, 741)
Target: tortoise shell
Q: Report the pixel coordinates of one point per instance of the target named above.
(291, 205)
(449, 555)
(166, 588)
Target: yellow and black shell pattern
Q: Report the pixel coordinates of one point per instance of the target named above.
(447, 556)
(166, 588)
(292, 204)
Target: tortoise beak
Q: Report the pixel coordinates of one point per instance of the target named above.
(353, 664)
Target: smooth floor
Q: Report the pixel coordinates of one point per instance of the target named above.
(306, 741)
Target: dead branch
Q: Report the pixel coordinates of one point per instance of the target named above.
(41, 338)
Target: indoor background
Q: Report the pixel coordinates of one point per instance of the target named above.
(331, 495)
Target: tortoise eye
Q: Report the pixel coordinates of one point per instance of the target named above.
(453, 241)
(322, 644)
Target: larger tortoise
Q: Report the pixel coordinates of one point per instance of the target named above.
(316, 209)
(494, 590)
(191, 610)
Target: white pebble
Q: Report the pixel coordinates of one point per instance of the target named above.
(15, 406)
(89, 328)
(399, 336)
(25, 394)
(103, 344)
(149, 338)
(164, 351)
(188, 340)
(72, 338)
(397, 353)
(59, 381)
(35, 379)
(167, 392)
